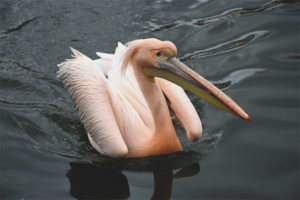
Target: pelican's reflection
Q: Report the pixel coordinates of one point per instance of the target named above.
(91, 182)
(88, 181)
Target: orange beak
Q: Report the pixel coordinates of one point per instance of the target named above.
(177, 72)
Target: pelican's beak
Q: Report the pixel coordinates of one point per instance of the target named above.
(177, 72)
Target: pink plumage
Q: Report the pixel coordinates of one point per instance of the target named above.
(124, 110)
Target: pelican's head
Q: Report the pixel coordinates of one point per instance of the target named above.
(158, 59)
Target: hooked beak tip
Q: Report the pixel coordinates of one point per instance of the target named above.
(249, 120)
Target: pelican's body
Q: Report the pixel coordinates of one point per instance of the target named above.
(123, 107)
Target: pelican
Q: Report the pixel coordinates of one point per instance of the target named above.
(124, 99)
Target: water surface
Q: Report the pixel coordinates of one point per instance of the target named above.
(250, 49)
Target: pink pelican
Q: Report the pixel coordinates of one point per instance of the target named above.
(125, 99)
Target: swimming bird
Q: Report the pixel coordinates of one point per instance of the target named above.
(125, 99)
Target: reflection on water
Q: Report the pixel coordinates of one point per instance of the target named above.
(87, 181)
(90, 182)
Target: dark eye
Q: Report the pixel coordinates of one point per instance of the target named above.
(158, 54)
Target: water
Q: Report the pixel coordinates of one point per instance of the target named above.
(250, 49)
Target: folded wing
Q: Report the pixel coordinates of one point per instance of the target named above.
(90, 92)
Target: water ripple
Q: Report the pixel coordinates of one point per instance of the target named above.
(226, 46)
(32, 104)
(9, 63)
(16, 27)
(232, 13)
(236, 77)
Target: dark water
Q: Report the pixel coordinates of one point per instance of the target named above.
(251, 49)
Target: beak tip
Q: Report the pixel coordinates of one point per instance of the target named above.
(248, 119)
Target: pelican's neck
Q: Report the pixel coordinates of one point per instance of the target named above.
(164, 139)
(156, 102)
(163, 126)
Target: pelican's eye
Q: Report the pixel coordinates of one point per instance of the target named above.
(159, 54)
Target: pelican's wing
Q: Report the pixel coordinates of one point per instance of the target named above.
(183, 108)
(90, 93)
